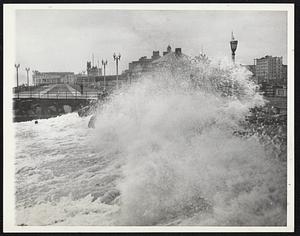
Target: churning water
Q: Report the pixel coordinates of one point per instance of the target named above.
(163, 152)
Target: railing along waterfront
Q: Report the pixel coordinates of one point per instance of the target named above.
(58, 95)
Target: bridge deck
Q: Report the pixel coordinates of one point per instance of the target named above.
(58, 91)
(66, 95)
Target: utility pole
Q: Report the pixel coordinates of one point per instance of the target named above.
(104, 63)
(17, 68)
(27, 70)
(117, 58)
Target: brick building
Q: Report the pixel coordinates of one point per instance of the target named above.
(144, 64)
(269, 69)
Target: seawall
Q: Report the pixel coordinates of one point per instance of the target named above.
(26, 109)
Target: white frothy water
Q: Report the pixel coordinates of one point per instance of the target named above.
(163, 153)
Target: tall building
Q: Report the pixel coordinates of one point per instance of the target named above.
(269, 69)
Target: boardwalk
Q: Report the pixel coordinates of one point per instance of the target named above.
(58, 91)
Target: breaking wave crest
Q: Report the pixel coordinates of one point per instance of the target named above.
(182, 162)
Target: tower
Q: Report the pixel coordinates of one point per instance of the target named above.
(233, 45)
(88, 65)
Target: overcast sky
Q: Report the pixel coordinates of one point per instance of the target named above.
(63, 40)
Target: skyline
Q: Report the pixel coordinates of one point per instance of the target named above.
(64, 40)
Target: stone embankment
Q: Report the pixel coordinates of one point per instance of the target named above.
(31, 109)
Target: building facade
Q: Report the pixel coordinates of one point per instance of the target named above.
(284, 74)
(91, 77)
(144, 64)
(42, 78)
(269, 69)
(85, 80)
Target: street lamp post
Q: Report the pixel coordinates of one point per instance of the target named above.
(17, 68)
(233, 45)
(117, 58)
(104, 63)
(27, 70)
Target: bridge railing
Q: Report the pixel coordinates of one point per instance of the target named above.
(57, 95)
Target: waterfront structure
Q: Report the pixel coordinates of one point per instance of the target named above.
(41, 78)
(233, 45)
(270, 69)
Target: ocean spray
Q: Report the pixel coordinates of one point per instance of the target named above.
(174, 129)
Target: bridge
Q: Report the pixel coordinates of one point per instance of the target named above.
(50, 101)
(58, 91)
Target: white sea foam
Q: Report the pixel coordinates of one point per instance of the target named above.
(163, 153)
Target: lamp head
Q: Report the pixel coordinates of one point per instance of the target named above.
(233, 45)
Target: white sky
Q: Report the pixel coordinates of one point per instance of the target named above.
(63, 40)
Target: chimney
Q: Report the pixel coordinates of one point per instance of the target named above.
(155, 55)
(178, 51)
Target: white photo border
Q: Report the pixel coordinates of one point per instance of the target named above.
(8, 160)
